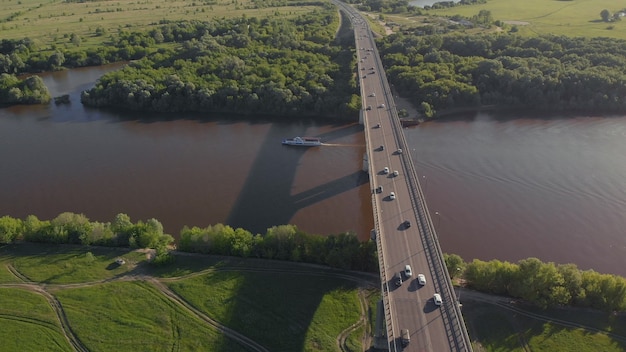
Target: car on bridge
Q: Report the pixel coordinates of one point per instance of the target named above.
(397, 279)
(407, 271)
(381, 106)
(385, 170)
(421, 279)
(437, 299)
(406, 224)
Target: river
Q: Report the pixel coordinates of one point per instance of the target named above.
(506, 187)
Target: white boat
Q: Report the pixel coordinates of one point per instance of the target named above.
(303, 141)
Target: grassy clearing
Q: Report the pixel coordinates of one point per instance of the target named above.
(68, 264)
(571, 18)
(134, 316)
(294, 309)
(51, 22)
(497, 329)
(282, 311)
(25, 314)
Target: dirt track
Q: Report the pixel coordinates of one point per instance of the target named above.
(44, 290)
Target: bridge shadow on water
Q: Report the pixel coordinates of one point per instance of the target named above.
(266, 200)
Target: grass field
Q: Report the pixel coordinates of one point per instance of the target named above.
(311, 314)
(572, 18)
(276, 304)
(134, 316)
(67, 264)
(498, 330)
(283, 306)
(52, 22)
(24, 314)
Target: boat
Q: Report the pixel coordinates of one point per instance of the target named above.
(303, 141)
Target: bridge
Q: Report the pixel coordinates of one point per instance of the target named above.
(404, 230)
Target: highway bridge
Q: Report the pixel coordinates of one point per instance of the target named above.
(405, 234)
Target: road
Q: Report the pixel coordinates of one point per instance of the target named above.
(410, 306)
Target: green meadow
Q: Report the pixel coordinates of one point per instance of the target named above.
(580, 18)
(496, 329)
(110, 307)
(52, 22)
(25, 314)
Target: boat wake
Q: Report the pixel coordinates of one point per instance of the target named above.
(342, 145)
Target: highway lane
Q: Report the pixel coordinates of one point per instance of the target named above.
(411, 306)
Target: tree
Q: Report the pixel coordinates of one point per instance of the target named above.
(454, 262)
(10, 229)
(605, 15)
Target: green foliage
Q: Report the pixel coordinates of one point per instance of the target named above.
(284, 242)
(77, 229)
(454, 264)
(10, 229)
(31, 90)
(551, 73)
(238, 65)
(547, 284)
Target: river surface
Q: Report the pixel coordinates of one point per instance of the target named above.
(498, 187)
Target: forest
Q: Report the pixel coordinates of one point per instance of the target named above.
(242, 65)
(548, 73)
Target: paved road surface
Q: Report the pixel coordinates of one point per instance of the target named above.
(410, 306)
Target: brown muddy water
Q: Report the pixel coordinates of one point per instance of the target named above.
(503, 187)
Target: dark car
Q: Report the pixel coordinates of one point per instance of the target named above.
(398, 279)
(407, 224)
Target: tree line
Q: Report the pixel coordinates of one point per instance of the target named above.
(543, 284)
(549, 73)
(285, 242)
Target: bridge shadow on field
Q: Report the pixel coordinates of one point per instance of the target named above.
(266, 200)
(281, 306)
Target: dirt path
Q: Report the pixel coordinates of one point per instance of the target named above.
(66, 329)
(362, 280)
(365, 340)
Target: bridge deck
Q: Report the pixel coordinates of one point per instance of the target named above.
(409, 306)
